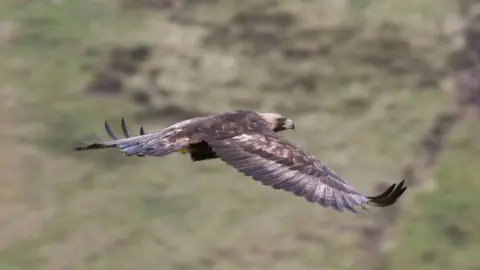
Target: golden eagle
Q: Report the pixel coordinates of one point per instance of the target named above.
(248, 141)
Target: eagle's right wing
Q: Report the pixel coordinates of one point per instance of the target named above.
(278, 163)
(152, 144)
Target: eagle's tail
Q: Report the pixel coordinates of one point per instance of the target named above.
(102, 144)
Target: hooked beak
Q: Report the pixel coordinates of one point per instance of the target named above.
(289, 124)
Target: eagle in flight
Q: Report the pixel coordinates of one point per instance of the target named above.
(249, 142)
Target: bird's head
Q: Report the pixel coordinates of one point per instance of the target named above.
(278, 122)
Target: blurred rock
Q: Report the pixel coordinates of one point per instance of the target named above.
(106, 83)
(128, 60)
(122, 62)
(141, 97)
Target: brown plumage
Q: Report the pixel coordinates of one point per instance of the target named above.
(248, 141)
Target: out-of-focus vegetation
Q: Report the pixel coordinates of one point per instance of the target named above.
(379, 90)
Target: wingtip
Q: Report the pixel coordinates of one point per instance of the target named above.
(389, 196)
(100, 143)
(89, 146)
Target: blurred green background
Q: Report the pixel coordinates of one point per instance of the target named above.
(379, 90)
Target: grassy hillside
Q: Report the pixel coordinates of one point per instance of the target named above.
(364, 82)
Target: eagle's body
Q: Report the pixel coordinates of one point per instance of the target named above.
(249, 142)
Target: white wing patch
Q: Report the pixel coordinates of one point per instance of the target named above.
(243, 137)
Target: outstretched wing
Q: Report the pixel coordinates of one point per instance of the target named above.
(153, 144)
(278, 163)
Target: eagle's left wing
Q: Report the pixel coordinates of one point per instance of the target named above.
(278, 163)
(156, 144)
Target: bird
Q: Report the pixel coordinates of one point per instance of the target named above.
(250, 142)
